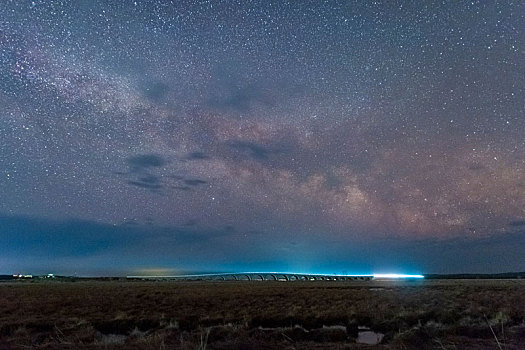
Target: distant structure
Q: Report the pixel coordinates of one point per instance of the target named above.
(257, 276)
(273, 276)
(21, 276)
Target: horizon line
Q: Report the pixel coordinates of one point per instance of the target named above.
(373, 275)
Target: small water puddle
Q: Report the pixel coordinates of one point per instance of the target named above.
(370, 338)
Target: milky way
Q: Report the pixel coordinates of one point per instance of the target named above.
(251, 134)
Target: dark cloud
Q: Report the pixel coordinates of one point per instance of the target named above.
(181, 188)
(149, 179)
(194, 182)
(143, 162)
(155, 187)
(197, 156)
(142, 167)
(44, 242)
(252, 150)
(46, 238)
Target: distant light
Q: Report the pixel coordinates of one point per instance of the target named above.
(396, 275)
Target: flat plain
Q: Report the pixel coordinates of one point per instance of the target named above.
(423, 314)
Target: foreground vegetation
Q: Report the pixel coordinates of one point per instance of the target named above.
(451, 314)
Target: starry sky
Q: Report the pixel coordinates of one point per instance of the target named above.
(312, 136)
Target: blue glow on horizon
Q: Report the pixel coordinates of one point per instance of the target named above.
(374, 275)
(395, 275)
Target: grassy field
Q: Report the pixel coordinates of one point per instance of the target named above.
(437, 314)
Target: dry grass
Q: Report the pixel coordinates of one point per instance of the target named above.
(479, 314)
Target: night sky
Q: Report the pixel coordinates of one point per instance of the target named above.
(312, 136)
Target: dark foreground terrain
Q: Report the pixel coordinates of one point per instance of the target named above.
(437, 314)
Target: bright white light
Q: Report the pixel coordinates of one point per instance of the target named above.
(396, 275)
